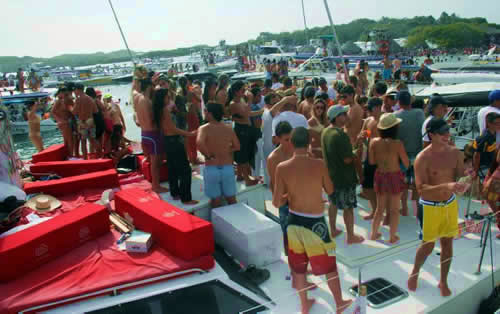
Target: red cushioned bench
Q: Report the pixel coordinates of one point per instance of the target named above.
(145, 167)
(51, 153)
(70, 168)
(27, 249)
(182, 234)
(102, 179)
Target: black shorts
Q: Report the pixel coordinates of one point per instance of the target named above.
(247, 135)
(369, 175)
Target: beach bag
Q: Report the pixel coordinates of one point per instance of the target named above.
(491, 304)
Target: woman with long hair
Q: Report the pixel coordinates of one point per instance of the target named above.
(209, 91)
(387, 152)
(179, 170)
(222, 93)
(317, 123)
(34, 125)
(193, 121)
(99, 122)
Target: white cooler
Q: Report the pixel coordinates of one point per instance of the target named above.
(249, 236)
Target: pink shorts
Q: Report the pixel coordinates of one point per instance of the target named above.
(389, 182)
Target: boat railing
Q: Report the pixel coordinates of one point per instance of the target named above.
(116, 289)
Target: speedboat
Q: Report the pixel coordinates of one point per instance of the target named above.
(15, 104)
(445, 77)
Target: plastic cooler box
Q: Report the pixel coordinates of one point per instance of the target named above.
(182, 234)
(51, 153)
(247, 235)
(145, 167)
(27, 249)
(69, 168)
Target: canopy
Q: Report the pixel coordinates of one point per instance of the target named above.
(462, 95)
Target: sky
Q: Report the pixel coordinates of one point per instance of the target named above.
(54, 27)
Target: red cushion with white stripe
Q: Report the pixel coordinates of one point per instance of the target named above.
(71, 168)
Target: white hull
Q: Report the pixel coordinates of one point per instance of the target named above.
(20, 128)
(459, 78)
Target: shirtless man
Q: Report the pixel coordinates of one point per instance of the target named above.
(370, 131)
(63, 116)
(247, 136)
(151, 137)
(118, 122)
(437, 169)
(20, 80)
(305, 107)
(84, 109)
(217, 142)
(355, 114)
(300, 181)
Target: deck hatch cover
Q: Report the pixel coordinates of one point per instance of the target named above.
(381, 292)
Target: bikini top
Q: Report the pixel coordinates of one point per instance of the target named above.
(318, 127)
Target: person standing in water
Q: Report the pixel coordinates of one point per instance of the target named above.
(217, 142)
(300, 181)
(437, 169)
(34, 125)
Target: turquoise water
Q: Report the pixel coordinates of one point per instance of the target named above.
(25, 148)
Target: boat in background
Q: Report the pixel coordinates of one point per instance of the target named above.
(445, 78)
(16, 106)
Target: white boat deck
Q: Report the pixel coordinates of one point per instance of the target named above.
(380, 259)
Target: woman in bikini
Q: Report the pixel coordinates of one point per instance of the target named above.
(221, 94)
(387, 153)
(317, 123)
(193, 122)
(34, 125)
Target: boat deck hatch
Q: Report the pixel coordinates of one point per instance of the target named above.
(381, 292)
(213, 297)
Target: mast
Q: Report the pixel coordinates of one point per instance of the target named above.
(121, 32)
(335, 34)
(305, 23)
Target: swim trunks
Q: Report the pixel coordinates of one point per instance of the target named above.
(369, 175)
(309, 241)
(387, 74)
(248, 143)
(86, 131)
(219, 181)
(344, 198)
(440, 219)
(389, 182)
(152, 142)
(116, 136)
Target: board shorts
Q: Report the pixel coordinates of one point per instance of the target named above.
(86, 131)
(152, 142)
(309, 241)
(247, 136)
(219, 181)
(344, 198)
(387, 74)
(440, 219)
(389, 182)
(369, 175)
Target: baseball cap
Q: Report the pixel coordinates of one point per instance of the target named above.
(437, 125)
(494, 95)
(106, 96)
(404, 97)
(98, 93)
(322, 80)
(435, 101)
(335, 111)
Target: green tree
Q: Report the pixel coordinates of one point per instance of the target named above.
(457, 35)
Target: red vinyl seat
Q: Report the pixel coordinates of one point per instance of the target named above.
(51, 153)
(182, 234)
(71, 168)
(145, 167)
(27, 249)
(102, 179)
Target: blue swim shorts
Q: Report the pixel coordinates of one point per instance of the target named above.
(219, 181)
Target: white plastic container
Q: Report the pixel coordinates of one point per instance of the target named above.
(249, 236)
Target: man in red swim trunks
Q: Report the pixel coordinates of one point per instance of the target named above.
(300, 181)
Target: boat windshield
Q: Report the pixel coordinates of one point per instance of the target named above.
(269, 50)
(212, 297)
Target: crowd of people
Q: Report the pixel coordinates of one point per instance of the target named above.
(329, 139)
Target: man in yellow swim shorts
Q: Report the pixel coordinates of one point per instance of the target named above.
(437, 169)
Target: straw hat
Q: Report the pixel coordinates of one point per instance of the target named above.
(43, 203)
(387, 121)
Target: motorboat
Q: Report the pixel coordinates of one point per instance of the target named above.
(15, 104)
(448, 77)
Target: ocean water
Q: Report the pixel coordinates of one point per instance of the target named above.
(25, 148)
